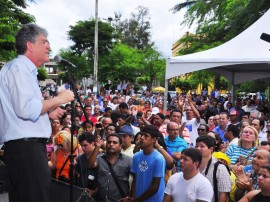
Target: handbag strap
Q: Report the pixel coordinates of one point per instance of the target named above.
(114, 177)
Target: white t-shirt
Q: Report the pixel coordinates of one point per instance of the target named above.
(197, 188)
(192, 126)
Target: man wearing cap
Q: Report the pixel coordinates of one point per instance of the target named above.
(234, 118)
(126, 132)
(155, 110)
(238, 108)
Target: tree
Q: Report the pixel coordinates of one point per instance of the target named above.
(11, 18)
(153, 66)
(42, 74)
(253, 86)
(221, 20)
(202, 78)
(185, 84)
(135, 31)
(83, 34)
(122, 63)
(84, 68)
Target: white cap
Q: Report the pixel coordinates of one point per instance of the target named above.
(155, 110)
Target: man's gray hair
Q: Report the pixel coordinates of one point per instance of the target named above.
(28, 33)
(254, 111)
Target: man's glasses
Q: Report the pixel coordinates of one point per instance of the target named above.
(200, 129)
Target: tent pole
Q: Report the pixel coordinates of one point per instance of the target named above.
(233, 89)
(165, 97)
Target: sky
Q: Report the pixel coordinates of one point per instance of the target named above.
(57, 15)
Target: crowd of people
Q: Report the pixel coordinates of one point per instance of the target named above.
(126, 148)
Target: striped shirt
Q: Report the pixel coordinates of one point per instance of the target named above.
(234, 151)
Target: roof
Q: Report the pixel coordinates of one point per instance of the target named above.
(245, 57)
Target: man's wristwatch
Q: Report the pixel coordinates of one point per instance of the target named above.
(160, 148)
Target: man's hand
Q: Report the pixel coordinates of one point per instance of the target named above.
(189, 98)
(245, 185)
(98, 141)
(65, 96)
(181, 100)
(56, 113)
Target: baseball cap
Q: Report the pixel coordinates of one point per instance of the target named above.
(233, 113)
(155, 110)
(126, 129)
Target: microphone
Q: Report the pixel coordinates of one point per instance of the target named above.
(265, 37)
(63, 62)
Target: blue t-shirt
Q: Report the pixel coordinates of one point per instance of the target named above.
(146, 167)
(177, 145)
(221, 133)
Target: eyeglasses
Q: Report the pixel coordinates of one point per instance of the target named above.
(200, 129)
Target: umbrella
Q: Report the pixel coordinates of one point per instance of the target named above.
(159, 89)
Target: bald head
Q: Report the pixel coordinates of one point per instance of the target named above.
(261, 158)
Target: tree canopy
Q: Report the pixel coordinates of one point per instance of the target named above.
(135, 31)
(11, 18)
(219, 20)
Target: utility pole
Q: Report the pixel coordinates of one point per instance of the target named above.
(95, 88)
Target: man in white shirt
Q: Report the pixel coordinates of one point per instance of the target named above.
(193, 185)
(192, 120)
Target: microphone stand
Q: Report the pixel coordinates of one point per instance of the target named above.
(73, 128)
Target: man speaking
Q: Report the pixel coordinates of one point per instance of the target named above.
(25, 125)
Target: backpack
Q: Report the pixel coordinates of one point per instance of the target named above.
(215, 178)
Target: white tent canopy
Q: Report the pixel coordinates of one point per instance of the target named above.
(243, 58)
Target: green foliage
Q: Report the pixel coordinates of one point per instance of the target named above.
(224, 83)
(84, 68)
(122, 63)
(186, 84)
(220, 20)
(135, 31)
(253, 86)
(153, 66)
(83, 35)
(11, 18)
(42, 74)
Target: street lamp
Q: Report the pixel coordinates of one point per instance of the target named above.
(96, 50)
